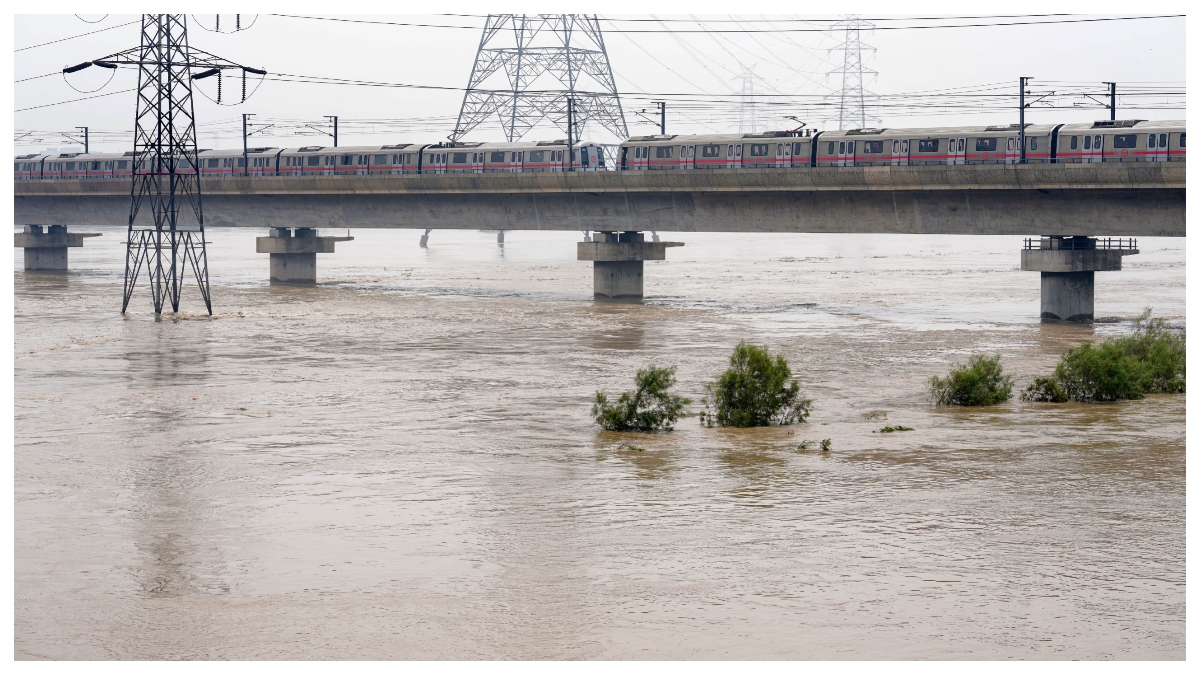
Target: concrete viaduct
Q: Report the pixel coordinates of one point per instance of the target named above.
(1071, 210)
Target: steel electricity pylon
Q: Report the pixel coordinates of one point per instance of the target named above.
(852, 97)
(546, 60)
(165, 161)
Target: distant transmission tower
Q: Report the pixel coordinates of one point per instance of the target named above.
(748, 110)
(853, 96)
(546, 59)
(165, 162)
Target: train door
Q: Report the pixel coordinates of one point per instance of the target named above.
(957, 152)
(1092, 148)
(845, 154)
(1156, 146)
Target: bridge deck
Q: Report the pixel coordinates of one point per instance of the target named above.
(1142, 199)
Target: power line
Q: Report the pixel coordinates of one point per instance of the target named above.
(766, 30)
(52, 42)
(74, 100)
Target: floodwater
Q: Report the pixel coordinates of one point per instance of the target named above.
(399, 463)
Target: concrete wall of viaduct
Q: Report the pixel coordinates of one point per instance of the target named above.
(1080, 199)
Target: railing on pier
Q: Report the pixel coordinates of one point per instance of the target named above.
(1082, 243)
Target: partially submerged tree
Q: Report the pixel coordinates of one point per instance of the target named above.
(1152, 359)
(981, 382)
(651, 407)
(755, 391)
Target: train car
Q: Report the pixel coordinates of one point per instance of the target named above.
(97, 164)
(233, 163)
(773, 149)
(394, 159)
(1122, 141)
(28, 167)
(942, 145)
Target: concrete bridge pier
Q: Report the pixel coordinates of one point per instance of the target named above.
(294, 258)
(46, 251)
(1068, 266)
(617, 260)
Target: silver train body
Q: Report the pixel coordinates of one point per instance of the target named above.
(1103, 141)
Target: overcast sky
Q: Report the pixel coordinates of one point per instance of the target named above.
(794, 66)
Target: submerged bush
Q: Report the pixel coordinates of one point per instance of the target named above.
(1045, 390)
(981, 382)
(755, 391)
(649, 408)
(1152, 359)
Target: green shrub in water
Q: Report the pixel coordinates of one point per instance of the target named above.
(1045, 390)
(651, 407)
(981, 382)
(1152, 359)
(756, 391)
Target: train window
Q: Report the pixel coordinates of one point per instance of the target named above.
(125, 165)
(381, 159)
(521, 156)
(895, 147)
(796, 151)
(241, 163)
(729, 152)
(850, 147)
(497, 157)
(1150, 141)
(212, 164)
(1096, 143)
(829, 151)
(778, 149)
(1125, 141)
(903, 146)
(1033, 143)
(1074, 142)
(70, 166)
(960, 144)
(537, 156)
(873, 147)
(347, 160)
(1087, 142)
(985, 144)
(710, 151)
(1162, 140)
(928, 145)
(1183, 140)
(662, 152)
(314, 161)
(759, 149)
(842, 148)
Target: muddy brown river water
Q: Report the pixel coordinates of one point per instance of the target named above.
(399, 462)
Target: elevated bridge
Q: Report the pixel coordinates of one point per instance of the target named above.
(1073, 209)
(1109, 199)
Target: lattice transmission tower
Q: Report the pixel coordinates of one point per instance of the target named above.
(165, 161)
(748, 107)
(546, 59)
(852, 97)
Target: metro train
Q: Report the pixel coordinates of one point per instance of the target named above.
(1102, 141)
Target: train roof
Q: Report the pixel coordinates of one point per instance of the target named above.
(1120, 125)
(349, 149)
(937, 132)
(711, 138)
(238, 152)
